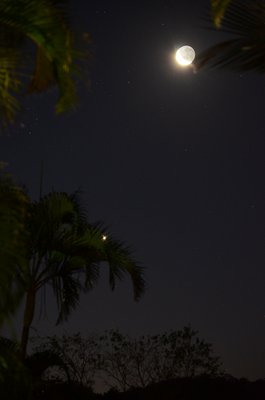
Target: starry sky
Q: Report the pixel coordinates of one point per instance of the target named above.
(173, 162)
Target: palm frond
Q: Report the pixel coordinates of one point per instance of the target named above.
(50, 218)
(89, 250)
(10, 84)
(246, 50)
(80, 210)
(43, 76)
(121, 262)
(218, 10)
(67, 289)
(14, 205)
(67, 252)
(45, 25)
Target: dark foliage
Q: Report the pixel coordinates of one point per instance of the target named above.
(245, 51)
(138, 362)
(38, 49)
(13, 216)
(203, 388)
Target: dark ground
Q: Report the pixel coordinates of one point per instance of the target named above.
(179, 389)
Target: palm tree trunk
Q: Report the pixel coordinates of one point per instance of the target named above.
(27, 321)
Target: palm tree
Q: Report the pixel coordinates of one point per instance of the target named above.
(65, 251)
(13, 215)
(245, 20)
(37, 50)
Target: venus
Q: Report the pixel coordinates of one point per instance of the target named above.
(185, 55)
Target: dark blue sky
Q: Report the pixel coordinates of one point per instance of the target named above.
(174, 163)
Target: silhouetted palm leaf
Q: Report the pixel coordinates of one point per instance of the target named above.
(218, 10)
(66, 252)
(40, 26)
(121, 262)
(246, 51)
(13, 257)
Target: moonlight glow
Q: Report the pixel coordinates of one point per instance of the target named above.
(185, 55)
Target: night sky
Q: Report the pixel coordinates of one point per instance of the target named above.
(173, 162)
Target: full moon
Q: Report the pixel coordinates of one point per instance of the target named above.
(185, 55)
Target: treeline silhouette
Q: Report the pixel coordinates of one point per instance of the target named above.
(205, 388)
(122, 362)
(197, 388)
(114, 366)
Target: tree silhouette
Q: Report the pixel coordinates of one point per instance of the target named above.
(138, 362)
(66, 252)
(25, 379)
(80, 356)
